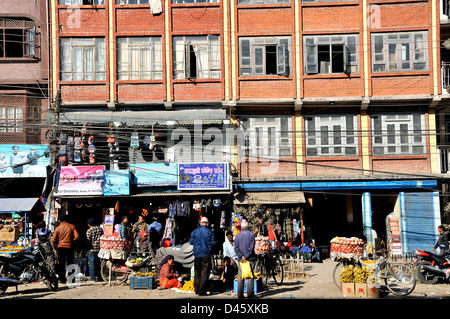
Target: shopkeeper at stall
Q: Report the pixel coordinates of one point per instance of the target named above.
(167, 277)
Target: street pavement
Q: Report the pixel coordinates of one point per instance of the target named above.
(317, 284)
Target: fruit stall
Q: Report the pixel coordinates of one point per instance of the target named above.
(355, 280)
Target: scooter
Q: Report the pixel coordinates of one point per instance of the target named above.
(431, 267)
(25, 267)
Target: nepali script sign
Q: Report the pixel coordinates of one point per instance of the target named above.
(205, 176)
(81, 180)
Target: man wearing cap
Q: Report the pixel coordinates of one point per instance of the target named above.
(203, 240)
(93, 235)
(244, 247)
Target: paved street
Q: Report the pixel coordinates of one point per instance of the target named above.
(317, 285)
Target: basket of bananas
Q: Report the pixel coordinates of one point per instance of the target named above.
(135, 262)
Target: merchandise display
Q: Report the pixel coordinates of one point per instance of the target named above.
(346, 247)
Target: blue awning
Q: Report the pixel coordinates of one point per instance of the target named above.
(21, 205)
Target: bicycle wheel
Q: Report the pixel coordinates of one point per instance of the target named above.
(337, 274)
(260, 268)
(401, 280)
(119, 274)
(278, 272)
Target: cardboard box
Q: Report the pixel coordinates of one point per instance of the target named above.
(373, 291)
(11, 236)
(361, 290)
(348, 289)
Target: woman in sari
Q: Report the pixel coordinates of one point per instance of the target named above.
(167, 278)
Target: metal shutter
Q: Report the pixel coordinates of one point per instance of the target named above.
(420, 218)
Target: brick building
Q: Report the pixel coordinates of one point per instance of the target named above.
(338, 102)
(23, 103)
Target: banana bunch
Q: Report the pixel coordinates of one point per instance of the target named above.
(188, 285)
(347, 275)
(145, 274)
(362, 274)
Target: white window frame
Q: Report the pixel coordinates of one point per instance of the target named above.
(263, 1)
(314, 44)
(253, 62)
(12, 118)
(93, 55)
(194, 1)
(127, 2)
(400, 51)
(331, 135)
(398, 134)
(139, 58)
(80, 2)
(195, 49)
(265, 138)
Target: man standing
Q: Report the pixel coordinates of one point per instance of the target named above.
(138, 227)
(228, 249)
(63, 237)
(442, 241)
(124, 229)
(244, 246)
(154, 231)
(203, 240)
(93, 235)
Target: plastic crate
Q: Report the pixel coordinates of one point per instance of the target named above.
(141, 282)
(257, 286)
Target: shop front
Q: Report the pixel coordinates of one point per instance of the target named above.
(177, 195)
(360, 209)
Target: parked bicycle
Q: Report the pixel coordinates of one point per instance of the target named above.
(117, 270)
(397, 274)
(269, 265)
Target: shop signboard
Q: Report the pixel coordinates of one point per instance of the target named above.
(23, 160)
(205, 176)
(117, 182)
(81, 180)
(154, 174)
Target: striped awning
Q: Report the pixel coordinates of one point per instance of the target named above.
(266, 198)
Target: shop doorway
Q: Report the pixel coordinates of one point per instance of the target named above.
(329, 215)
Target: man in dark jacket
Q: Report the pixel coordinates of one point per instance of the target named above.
(244, 246)
(203, 240)
(442, 241)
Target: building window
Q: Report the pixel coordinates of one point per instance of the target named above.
(196, 57)
(11, 119)
(81, 2)
(260, 56)
(266, 137)
(139, 58)
(195, 1)
(399, 52)
(331, 135)
(17, 38)
(331, 54)
(82, 59)
(398, 134)
(262, 1)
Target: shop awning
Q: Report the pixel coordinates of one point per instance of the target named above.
(21, 205)
(266, 198)
(159, 194)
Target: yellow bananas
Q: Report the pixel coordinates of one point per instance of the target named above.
(358, 275)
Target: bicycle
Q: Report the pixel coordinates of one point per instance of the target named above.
(118, 269)
(397, 273)
(269, 264)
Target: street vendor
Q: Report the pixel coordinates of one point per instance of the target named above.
(143, 244)
(167, 277)
(138, 227)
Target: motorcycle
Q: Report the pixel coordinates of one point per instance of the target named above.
(27, 266)
(430, 267)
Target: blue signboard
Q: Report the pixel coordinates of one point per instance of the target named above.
(212, 176)
(154, 174)
(117, 182)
